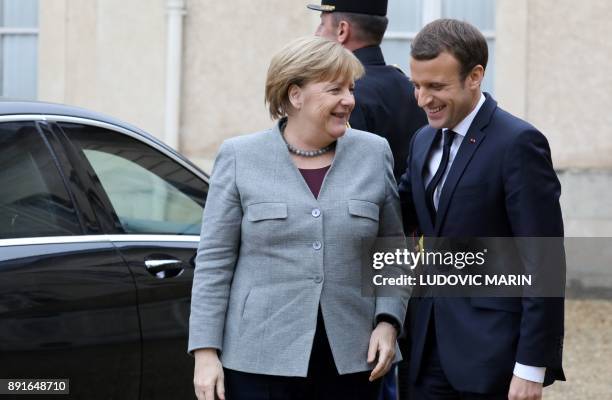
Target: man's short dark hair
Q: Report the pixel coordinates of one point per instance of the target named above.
(461, 39)
(369, 29)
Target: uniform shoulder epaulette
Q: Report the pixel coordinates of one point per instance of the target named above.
(397, 68)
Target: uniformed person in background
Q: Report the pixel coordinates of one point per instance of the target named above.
(384, 100)
(384, 97)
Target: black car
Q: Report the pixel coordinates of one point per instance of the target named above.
(99, 225)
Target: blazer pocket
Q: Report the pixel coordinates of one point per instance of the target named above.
(365, 209)
(509, 304)
(263, 211)
(254, 310)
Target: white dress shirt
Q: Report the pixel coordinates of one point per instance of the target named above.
(436, 155)
(534, 374)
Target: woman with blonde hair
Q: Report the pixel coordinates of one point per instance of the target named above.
(277, 309)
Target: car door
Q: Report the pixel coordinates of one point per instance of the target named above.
(158, 200)
(67, 299)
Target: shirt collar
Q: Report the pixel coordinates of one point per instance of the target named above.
(462, 127)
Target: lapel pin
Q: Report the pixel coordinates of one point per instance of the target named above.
(472, 140)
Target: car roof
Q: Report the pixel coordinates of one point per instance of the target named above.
(9, 107)
(20, 107)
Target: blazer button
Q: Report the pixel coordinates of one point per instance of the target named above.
(318, 279)
(316, 213)
(317, 245)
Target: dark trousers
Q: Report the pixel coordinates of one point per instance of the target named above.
(388, 389)
(322, 382)
(432, 383)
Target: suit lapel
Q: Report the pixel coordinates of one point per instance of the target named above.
(418, 188)
(471, 142)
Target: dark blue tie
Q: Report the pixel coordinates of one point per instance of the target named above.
(435, 181)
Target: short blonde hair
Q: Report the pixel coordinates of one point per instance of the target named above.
(306, 60)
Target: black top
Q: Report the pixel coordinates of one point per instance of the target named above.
(314, 178)
(385, 105)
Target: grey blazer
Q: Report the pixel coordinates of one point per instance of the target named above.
(270, 253)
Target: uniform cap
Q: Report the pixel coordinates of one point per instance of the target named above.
(371, 7)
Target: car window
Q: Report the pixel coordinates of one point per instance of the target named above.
(33, 198)
(150, 192)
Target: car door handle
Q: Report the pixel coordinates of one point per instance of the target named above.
(158, 265)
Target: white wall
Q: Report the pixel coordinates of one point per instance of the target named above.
(106, 55)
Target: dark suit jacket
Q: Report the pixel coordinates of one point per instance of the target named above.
(501, 184)
(385, 105)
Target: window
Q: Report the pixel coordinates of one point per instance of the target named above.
(18, 48)
(151, 193)
(33, 199)
(407, 17)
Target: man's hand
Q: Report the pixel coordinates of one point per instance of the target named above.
(522, 389)
(208, 375)
(382, 342)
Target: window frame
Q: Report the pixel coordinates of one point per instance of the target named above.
(15, 31)
(37, 123)
(432, 10)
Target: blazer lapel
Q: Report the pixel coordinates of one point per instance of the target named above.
(418, 188)
(333, 171)
(290, 176)
(285, 172)
(472, 140)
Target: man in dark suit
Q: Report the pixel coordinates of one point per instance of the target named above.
(384, 97)
(478, 171)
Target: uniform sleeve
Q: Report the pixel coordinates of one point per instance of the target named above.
(390, 226)
(217, 254)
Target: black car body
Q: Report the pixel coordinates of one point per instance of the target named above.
(99, 226)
